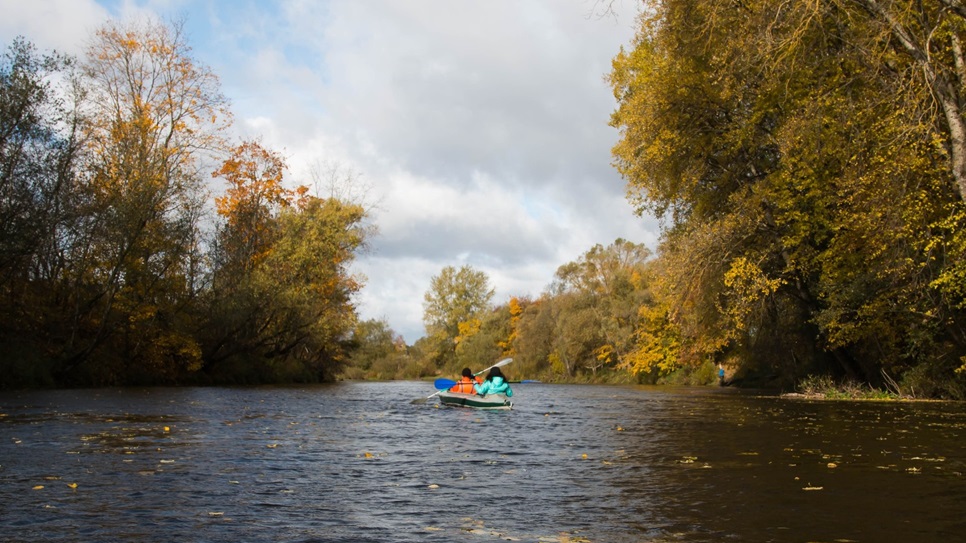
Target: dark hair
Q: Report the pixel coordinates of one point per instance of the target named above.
(495, 372)
(467, 373)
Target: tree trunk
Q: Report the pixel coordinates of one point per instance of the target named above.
(944, 88)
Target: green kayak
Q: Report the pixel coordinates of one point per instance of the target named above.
(490, 401)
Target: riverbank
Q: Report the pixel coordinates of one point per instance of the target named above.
(825, 388)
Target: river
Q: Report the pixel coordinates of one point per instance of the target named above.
(359, 462)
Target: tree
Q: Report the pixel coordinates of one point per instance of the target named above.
(251, 203)
(928, 37)
(378, 352)
(39, 157)
(153, 111)
(611, 281)
(807, 200)
(532, 343)
(455, 299)
(484, 340)
(307, 286)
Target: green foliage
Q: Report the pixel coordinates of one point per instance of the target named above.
(532, 341)
(704, 374)
(485, 344)
(453, 307)
(377, 353)
(823, 386)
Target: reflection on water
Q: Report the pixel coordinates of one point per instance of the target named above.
(359, 462)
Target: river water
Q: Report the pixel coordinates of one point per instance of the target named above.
(358, 462)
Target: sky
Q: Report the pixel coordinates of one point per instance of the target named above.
(476, 132)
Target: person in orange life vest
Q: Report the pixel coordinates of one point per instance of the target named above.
(465, 384)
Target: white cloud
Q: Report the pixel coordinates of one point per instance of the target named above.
(62, 25)
(481, 127)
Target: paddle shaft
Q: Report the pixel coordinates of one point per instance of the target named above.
(444, 384)
(499, 364)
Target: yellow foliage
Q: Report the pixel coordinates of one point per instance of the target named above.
(658, 343)
(467, 329)
(604, 353)
(747, 286)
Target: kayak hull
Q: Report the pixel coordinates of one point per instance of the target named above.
(475, 401)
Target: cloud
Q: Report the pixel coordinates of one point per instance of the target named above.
(62, 25)
(481, 127)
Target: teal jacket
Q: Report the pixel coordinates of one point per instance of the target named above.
(496, 386)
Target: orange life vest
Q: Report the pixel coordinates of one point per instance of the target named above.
(465, 385)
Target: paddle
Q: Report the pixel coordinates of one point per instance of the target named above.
(446, 384)
(443, 384)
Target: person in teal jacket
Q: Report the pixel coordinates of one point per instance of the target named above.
(495, 383)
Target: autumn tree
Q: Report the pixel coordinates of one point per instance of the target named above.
(112, 275)
(250, 205)
(281, 300)
(487, 340)
(533, 337)
(153, 110)
(453, 308)
(610, 279)
(306, 286)
(805, 199)
(658, 350)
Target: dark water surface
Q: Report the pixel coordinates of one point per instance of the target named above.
(359, 462)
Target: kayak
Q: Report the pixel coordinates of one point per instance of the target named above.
(490, 401)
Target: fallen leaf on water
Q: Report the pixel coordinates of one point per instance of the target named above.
(39, 487)
(367, 454)
(433, 486)
(72, 485)
(832, 465)
(272, 445)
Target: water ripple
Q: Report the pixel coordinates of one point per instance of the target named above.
(359, 462)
